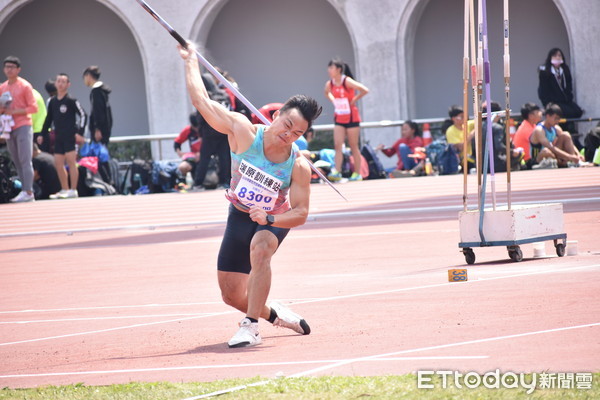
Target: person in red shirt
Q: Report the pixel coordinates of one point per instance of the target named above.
(407, 144)
(343, 91)
(267, 111)
(532, 115)
(190, 133)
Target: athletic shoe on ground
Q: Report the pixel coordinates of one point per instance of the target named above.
(72, 194)
(546, 163)
(59, 195)
(286, 318)
(23, 197)
(246, 336)
(334, 176)
(355, 177)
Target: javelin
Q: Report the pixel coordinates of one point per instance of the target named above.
(224, 81)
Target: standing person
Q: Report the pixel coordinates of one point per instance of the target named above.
(46, 141)
(63, 111)
(341, 90)
(21, 137)
(213, 142)
(101, 114)
(556, 84)
(265, 168)
(38, 118)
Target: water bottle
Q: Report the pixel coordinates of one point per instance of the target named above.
(428, 166)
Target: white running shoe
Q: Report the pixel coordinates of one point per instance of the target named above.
(72, 194)
(60, 195)
(286, 318)
(246, 336)
(23, 197)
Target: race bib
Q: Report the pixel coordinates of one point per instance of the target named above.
(256, 187)
(342, 106)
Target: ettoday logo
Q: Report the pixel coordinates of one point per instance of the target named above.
(506, 380)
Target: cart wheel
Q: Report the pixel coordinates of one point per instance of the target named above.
(469, 255)
(560, 250)
(516, 254)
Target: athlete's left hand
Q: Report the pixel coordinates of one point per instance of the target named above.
(258, 215)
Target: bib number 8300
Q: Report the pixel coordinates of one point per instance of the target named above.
(250, 195)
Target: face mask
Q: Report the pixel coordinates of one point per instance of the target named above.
(557, 62)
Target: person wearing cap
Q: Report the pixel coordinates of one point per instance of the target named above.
(21, 137)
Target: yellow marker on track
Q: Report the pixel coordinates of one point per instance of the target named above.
(457, 275)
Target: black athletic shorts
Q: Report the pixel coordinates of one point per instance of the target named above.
(234, 255)
(64, 143)
(348, 125)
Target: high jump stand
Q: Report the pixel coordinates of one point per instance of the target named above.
(509, 225)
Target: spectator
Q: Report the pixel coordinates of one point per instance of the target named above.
(556, 86)
(101, 114)
(190, 159)
(407, 144)
(46, 141)
(499, 141)
(63, 112)
(532, 115)
(341, 90)
(267, 111)
(18, 113)
(213, 142)
(550, 145)
(236, 104)
(455, 134)
(45, 175)
(39, 117)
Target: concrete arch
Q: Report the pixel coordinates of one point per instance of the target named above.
(430, 34)
(309, 68)
(118, 50)
(406, 32)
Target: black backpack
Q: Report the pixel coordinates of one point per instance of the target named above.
(7, 186)
(376, 170)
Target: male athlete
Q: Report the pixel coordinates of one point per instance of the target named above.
(264, 169)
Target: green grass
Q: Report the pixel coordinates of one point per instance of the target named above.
(321, 388)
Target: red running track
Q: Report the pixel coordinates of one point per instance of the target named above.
(118, 289)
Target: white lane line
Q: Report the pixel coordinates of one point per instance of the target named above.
(384, 356)
(444, 346)
(41, 321)
(452, 284)
(116, 328)
(354, 295)
(245, 365)
(311, 217)
(112, 307)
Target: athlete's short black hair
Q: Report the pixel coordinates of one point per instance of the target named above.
(308, 107)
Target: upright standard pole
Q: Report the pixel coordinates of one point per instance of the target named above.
(465, 101)
(488, 100)
(474, 83)
(507, 103)
(479, 98)
(225, 82)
